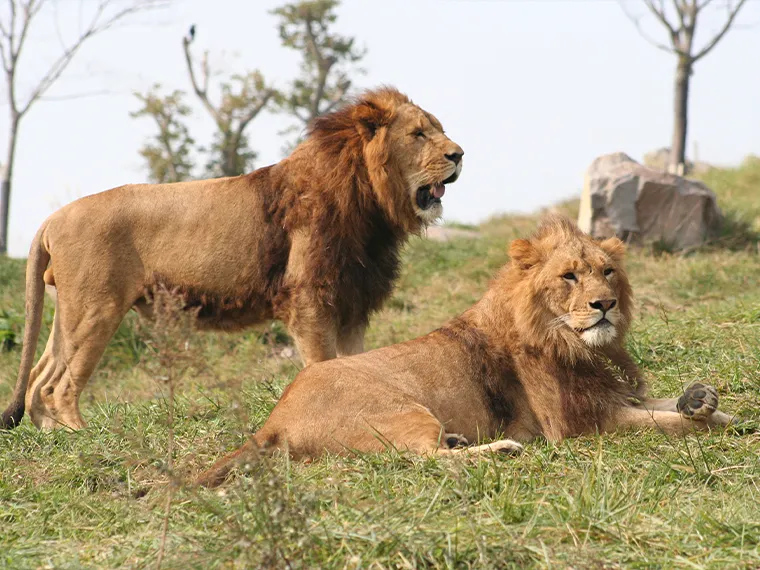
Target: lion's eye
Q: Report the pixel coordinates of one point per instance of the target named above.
(608, 271)
(570, 276)
(419, 134)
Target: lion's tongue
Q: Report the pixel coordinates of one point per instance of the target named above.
(438, 190)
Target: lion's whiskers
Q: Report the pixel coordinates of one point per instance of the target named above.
(560, 321)
(426, 176)
(417, 179)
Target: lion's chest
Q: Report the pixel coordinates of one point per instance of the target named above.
(344, 275)
(567, 401)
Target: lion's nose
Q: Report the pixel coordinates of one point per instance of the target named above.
(603, 305)
(455, 157)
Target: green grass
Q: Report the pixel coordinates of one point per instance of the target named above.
(96, 498)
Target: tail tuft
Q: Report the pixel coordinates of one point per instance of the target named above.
(12, 416)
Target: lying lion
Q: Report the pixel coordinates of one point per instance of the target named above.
(540, 355)
(313, 241)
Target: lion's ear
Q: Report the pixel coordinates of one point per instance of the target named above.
(523, 253)
(368, 119)
(614, 247)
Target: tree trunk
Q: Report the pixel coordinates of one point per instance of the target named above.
(229, 165)
(680, 116)
(5, 186)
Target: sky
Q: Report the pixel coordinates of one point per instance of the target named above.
(533, 90)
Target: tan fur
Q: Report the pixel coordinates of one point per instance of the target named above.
(519, 365)
(313, 241)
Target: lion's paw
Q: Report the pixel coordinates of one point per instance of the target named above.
(507, 446)
(454, 440)
(698, 402)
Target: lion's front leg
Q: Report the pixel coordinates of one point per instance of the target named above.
(351, 340)
(315, 341)
(699, 402)
(672, 423)
(314, 346)
(695, 410)
(314, 330)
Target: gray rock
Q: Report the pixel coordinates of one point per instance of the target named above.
(626, 199)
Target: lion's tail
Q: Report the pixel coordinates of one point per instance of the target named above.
(38, 260)
(218, 472)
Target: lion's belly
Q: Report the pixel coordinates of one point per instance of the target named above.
(211, 317)
(223, 255)
(214, 312)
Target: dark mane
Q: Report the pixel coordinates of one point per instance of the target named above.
(341, 186)
(350, 160)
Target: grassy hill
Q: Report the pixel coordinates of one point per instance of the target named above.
(97, 498)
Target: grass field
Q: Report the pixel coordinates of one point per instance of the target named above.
(97, 498)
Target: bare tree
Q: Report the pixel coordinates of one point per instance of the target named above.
(680, 21)
(15, 25)
(324, 81)
(242, 100)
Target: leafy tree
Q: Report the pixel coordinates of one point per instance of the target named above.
(327, 59)
(168, 153)
(680, 22)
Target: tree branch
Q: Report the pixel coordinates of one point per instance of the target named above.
(12, 31)
(732, 11)
(343, 88)
(304, 119)
(255, 111)
(82, 95)
(679, 8)
(323, 67)
(3, 31)
(28, 15)
(163, 121)
(202, 93)
(30, 11)
(95, 27)
(335, 102)
(703, 4)
(637, 22)
(5, 59)
(659, 13)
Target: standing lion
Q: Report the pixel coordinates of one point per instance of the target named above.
(312, 240)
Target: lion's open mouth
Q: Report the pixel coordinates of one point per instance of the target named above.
(452, 178)
(430, 194)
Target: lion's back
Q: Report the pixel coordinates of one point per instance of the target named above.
(214, 232)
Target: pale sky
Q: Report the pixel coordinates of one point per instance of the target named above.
(532, 90)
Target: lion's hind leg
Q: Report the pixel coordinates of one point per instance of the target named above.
(420, 431)
(77, 340)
